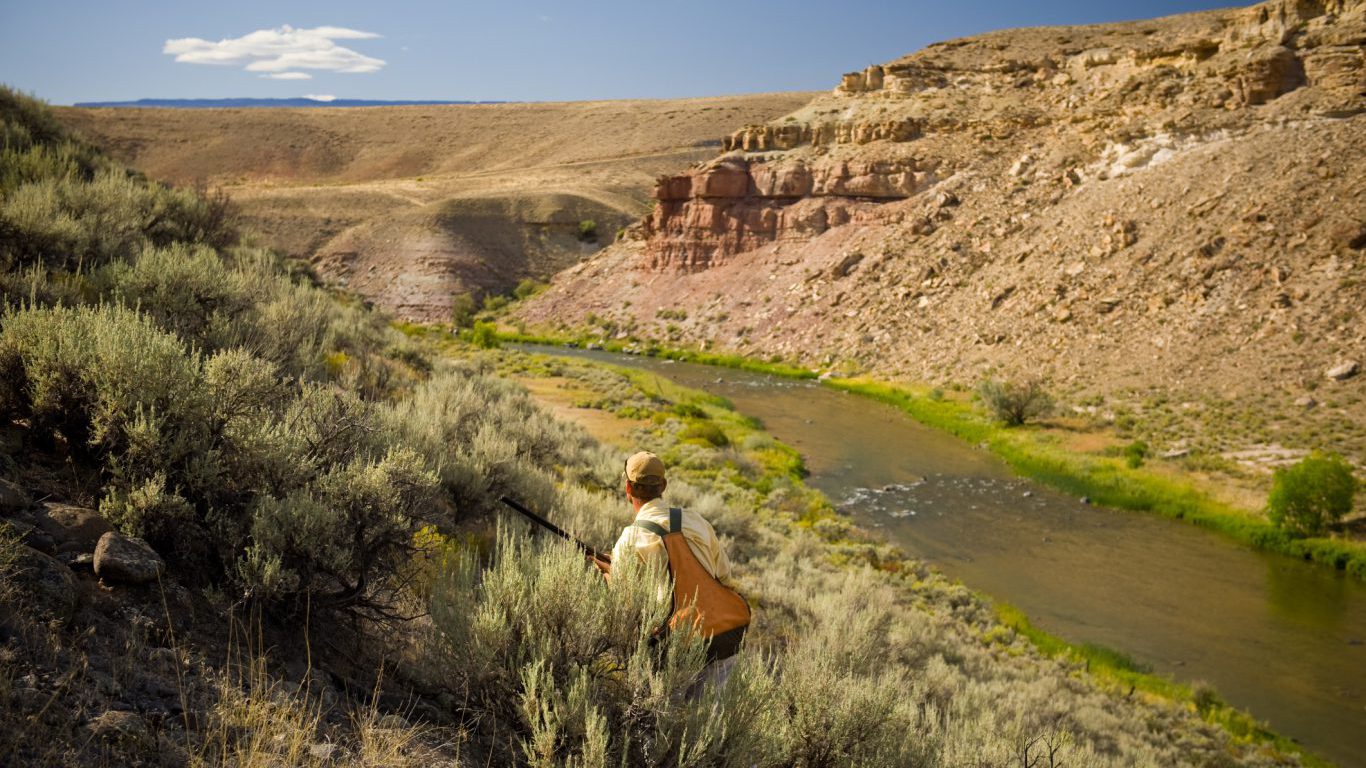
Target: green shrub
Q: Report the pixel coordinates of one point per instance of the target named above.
(588, 230)
(1309, 496)
(689, 411)
(462, 310)
(705, 432)
(1015, 402)
(528, 287)
(187, 290)
(484, 335)
(1135, 453)
(87, 373)
(494, 302)
(343, 540)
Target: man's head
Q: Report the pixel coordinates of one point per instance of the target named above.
(644, 478)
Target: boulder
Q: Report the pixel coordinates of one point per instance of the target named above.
(127, 559)
(75, 529)
(1343, 371)
(126, 729)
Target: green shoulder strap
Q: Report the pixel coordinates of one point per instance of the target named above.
(646, 525)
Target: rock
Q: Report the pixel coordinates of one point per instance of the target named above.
(1177, 453)
(79, 527)
(126, 729)
(12, 498)
(846, 265)
(1343, 371)
(78, 561)
(1306, 402)
(323, 752)
(47, 586)
(1085, 499)
(127, 559)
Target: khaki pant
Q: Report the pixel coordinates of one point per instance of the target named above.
(714, 676)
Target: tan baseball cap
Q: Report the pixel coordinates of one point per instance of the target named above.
(645, 468)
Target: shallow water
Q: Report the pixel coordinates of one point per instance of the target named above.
(1283, 639)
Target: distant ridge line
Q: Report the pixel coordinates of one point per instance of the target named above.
(251, 102)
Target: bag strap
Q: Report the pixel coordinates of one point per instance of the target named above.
(646, 525)
(675, 520)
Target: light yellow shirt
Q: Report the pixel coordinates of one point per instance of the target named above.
(649, 547)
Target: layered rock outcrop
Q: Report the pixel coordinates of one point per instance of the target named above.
(737, 204)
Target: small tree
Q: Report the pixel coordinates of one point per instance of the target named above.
(462, 310)
(1015, 402)
(1309, 496)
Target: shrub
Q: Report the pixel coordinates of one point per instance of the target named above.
(1014, 403)
(187, 290)
(484, 335)
(1135, 453)
(87, 373)
(462, 310)
(528, 287)
(1309, 496)
(705, 432)
(588, 230)
(344, 539)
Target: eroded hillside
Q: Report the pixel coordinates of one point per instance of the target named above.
(409, 206)
(1165, 218)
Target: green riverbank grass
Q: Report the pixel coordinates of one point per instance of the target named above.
(1104, 480)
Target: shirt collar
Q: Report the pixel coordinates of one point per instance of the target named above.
(652, 507)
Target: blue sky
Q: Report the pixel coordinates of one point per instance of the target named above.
(85, 50)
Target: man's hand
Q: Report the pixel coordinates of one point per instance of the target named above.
(602, 563)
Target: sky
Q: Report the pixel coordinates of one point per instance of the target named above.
(65, 51)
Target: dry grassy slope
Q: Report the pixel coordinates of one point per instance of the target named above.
(409, 205)
(1148, 214)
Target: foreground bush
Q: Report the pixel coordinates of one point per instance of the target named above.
(1015, 402)
(1308, 497)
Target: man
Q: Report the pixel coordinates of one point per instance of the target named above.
(645, 484)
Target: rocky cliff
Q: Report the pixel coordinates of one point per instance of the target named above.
(1171, 206)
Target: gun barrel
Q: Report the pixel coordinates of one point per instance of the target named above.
(555, 529)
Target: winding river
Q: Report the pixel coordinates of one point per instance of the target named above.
(1282, 639)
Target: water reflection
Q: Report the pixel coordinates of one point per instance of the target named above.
(1318, 600)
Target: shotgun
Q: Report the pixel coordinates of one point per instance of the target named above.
(555, 529)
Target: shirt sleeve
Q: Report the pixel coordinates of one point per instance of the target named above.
(643, 545)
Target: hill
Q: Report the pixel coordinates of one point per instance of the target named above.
(1164, 218)
(409, 206)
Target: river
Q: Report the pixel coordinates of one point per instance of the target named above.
(1282, 639)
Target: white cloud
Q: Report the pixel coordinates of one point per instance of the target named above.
(320, 96)
(280, 52)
